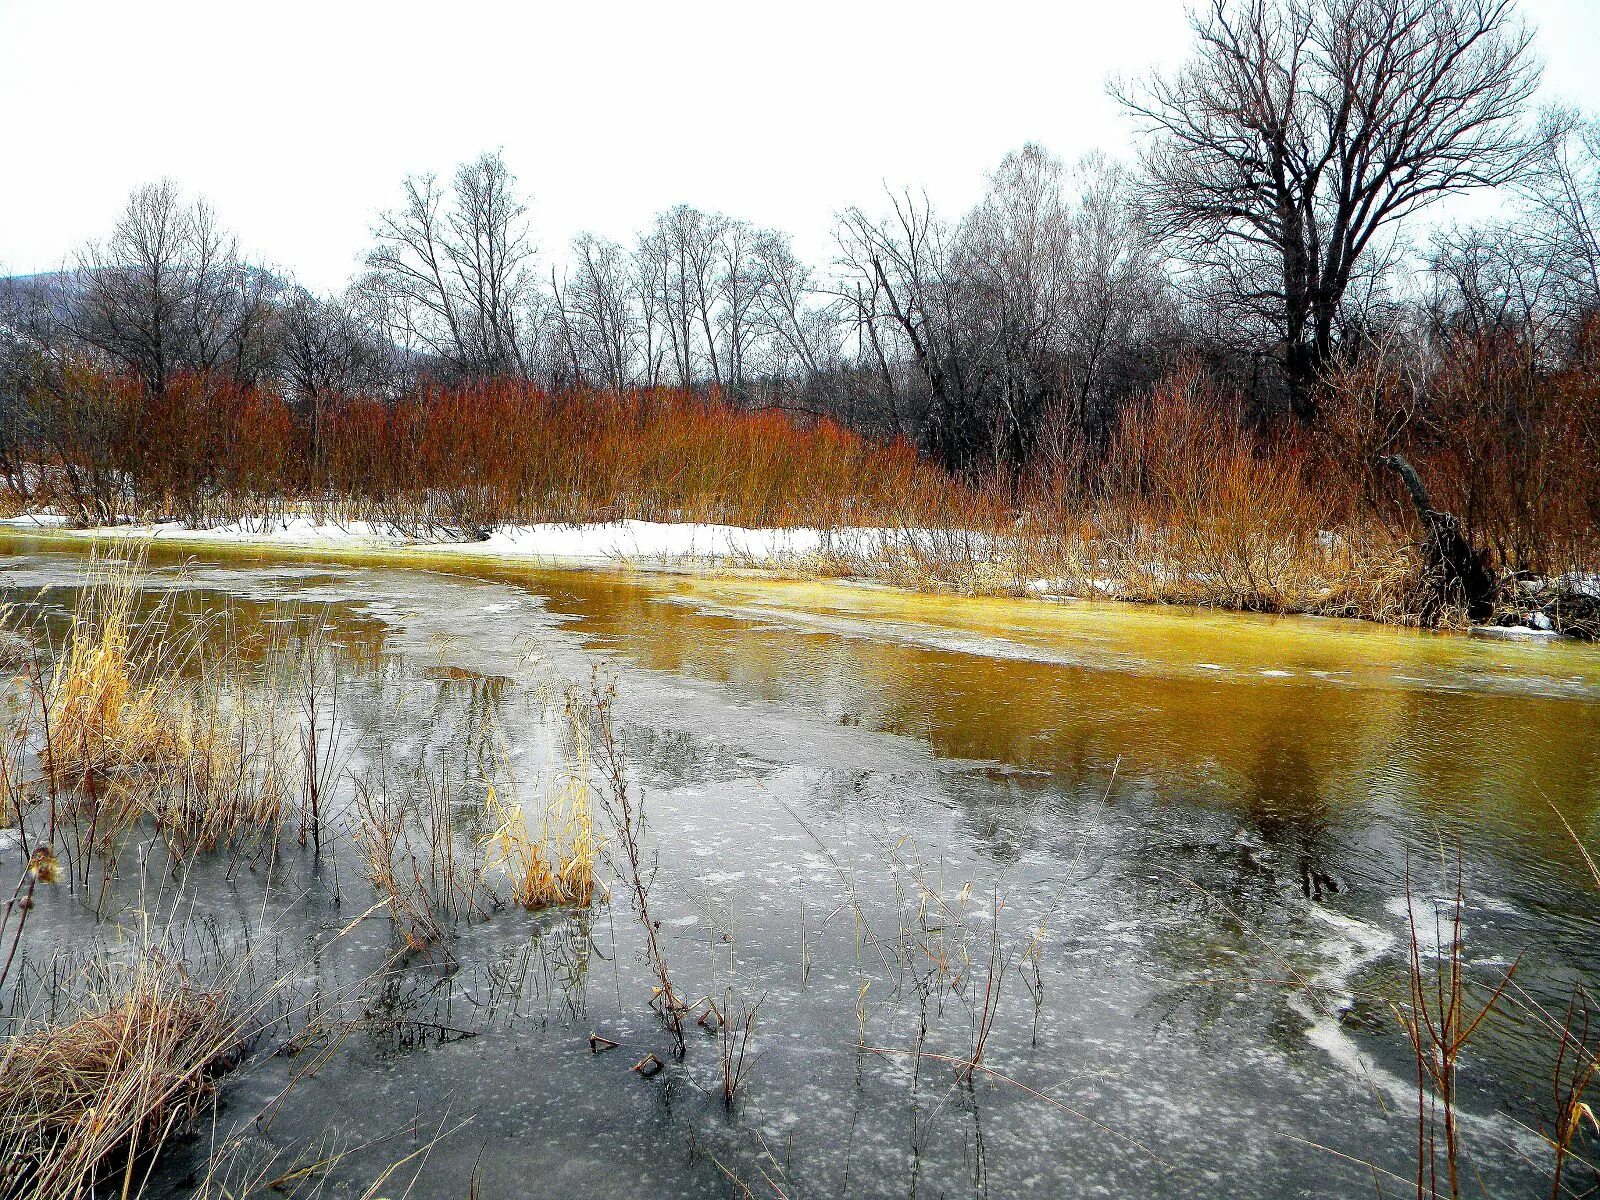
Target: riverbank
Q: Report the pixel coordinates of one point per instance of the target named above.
(955, 561)
(609, 543)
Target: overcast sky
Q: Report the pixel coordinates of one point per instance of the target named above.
(299, 118)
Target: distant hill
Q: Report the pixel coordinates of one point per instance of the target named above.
(54, 287)
(38, 284)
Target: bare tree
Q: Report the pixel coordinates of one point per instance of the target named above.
(1033, 312)
(1536, 272)
(907, 291)
(1303, 129)
(700, 251)
(326, 350)
(169, 291)
(667, 328)
(645, 284)
(738, 292)
(455, 267)
(800, 322)
(596, 308)
(1491, 278)
(1012, 280)
(1120, 323)
(19, 362)
(227, 303)
(679, 260)
(1563, 194)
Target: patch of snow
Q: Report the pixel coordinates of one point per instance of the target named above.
(1583, 585)
(1049, 587)
(616, 541)
(650, 540)
(1512, 632)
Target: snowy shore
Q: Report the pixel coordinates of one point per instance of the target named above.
(854, 551)
(616, 542)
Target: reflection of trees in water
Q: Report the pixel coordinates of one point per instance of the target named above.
(542, 977)
(1283, 800)
(409, 728)
(1001, 811)
(668, 758)
(466, 713)
(1492, 770)
(216, 626)
(1002, 814)
(1224, 881)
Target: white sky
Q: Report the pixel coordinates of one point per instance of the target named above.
(298, 118)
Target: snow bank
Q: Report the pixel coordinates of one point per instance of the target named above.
(1582, 585)
(650, 540)
(610, 542)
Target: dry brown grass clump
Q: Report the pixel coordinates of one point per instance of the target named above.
(137, 723)
(86, 1102)
(409, 855)
(113, 693)
(553, 864)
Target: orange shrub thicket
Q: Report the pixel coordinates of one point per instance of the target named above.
(1186, 500)
(1197, 506)
(1515, 450)
(1500, 438)
(473, 456)
(507, 452)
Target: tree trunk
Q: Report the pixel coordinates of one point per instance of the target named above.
(1458, 574)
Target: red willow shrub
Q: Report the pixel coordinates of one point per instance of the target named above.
(1515, 451)
(209, 448)
(463, 458)
(1188, 503)
(1507, 442)
(1185, 501)
(503, 452)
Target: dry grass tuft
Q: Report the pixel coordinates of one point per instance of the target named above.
(554, 865)
(106, 711)
(84, 1102)
(138, 724)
